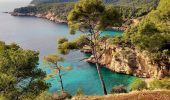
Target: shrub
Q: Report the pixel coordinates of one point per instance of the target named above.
(79, 92)
(73, 45)
(160, 84)
(81, 41)
(64, 45)
(138, 84)
(63, 51)
(119, 89)
(62, 40)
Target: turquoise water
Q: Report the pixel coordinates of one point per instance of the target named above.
(84, 76)
(111, 33)
(42, 35)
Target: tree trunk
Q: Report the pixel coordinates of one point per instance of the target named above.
(61, 81)
(94, 52)
(101, 78)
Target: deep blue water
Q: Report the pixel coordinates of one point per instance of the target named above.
(42, 35)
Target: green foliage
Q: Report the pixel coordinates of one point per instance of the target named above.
(138, 84)
(19, 76)
(62, 40)
(119, 89)
(61, 8)
(77, 43)
(153, 32)
(92, 11)
(50, 1)
(115, 40)
(64, 45)
(30, 9)
(135, 8)
(160, 84)
(53, 58)
(92, 17)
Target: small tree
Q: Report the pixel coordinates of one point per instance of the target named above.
(53, 61)
(92, 17)
(160, 84)
(20, 77)
(138, 84)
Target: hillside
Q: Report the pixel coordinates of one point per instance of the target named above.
(57, 10)
(145, 48)
(115, 2)
(50, 1)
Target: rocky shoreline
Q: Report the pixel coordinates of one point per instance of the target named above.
(48, 16)
(129, 61)
(52, 17)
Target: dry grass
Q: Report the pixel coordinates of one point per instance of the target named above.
(136, 95)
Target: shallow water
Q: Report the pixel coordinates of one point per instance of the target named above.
(42, 35)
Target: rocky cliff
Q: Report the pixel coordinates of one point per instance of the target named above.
(131, 61)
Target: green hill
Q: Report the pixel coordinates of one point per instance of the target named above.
(135, 3)
(51, 1)
(128, 8)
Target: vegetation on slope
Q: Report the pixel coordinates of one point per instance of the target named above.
(61, 8)
(153, 34)
(51, 1)
(19, 76)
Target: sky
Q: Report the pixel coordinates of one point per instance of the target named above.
(15, 0)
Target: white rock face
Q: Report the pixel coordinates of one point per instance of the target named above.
(131, 61)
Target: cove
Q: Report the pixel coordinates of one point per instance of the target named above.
(84, 76)
(42, 35)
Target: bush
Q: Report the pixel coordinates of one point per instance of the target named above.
(119, 89)
(72, 45)
(160, 84)
(81, 41)
(64, 45)
(62, 40)
(138, 84)
(63, 51)
(79, 92)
